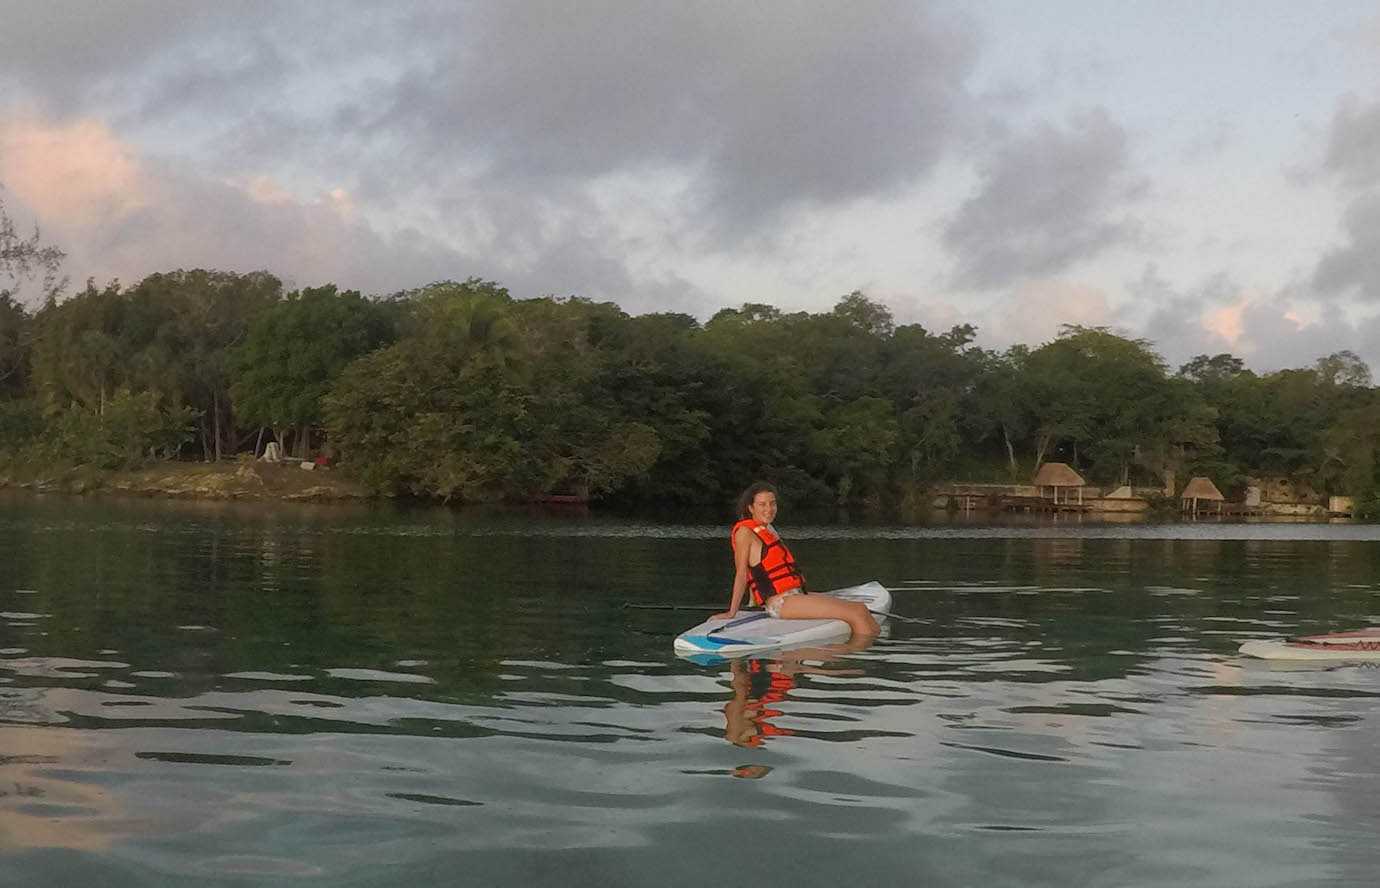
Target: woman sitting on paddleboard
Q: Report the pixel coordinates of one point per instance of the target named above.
(764, 565)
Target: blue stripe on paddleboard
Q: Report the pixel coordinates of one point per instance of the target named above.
(717, 641)
(706, 659)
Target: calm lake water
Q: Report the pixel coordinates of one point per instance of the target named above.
(214, 695)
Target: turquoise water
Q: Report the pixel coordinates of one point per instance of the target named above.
(215, 695)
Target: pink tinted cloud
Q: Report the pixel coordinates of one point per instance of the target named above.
(72, 175)
(120, 213)
(1226, 322)
(1036, 311)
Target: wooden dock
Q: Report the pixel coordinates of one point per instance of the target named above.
(1040, 504)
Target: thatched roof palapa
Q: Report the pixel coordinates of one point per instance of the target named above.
(1203, 489)
(1057, 475)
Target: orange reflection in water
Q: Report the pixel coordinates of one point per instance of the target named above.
(41, 811)
(761, 685)
(758, 686)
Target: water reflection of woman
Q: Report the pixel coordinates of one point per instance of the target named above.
(759, 686)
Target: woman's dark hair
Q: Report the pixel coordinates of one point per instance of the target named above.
(747, 496)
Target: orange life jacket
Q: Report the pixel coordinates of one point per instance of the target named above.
(767, 686)
(777, 571)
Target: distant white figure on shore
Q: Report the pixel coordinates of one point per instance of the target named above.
(272, 452)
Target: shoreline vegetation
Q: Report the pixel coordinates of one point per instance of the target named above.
(256, 481)
(457, 392)
(240, 480)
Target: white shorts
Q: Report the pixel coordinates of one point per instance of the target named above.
(774, 603)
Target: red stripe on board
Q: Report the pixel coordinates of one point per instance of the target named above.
(1311, 644)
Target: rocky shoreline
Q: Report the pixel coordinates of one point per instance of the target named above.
(237, 480)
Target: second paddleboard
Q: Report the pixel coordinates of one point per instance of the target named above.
(1359, 644)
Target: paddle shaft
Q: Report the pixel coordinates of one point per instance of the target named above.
(760, 615)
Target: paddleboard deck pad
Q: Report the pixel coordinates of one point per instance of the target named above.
(754, 631)
(1359, 644)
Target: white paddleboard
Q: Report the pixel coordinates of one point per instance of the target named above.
(1360, 644)
(754, 631)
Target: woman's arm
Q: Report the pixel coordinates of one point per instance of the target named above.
(742, 550)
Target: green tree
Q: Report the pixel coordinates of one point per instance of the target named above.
(927, 377)
(858, 443)
(768, 405)
(1352, 444)
(134, 427)
(25, 259)
(865, 315)
(439, 412)
(485, 398)
(1110, 397)
(997, 405)
(79, 356)
(170, 335)
(293, 353)
(1238, 399)
(1346, 406)
(1214, 370)
(1179, 436)
(183, 329)
(1294, 410)
(15, 333)
(566, 344)
(1344, 368)
(21, 424)
(658, 374)
(411, 418)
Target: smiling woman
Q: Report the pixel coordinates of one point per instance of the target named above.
(763, 564)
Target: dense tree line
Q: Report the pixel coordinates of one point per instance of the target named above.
(458, 391)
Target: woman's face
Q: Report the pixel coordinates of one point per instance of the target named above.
(763, 507)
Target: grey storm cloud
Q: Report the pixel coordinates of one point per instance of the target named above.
(71, 54)
(512, 111)
(306, 244)
(1269, 339)
(310, 244)
(1353, 159)
(1280, 343)
(761, 107)
(1173, 320)
(1047, 199)
(1355, 266)
(1353, 149)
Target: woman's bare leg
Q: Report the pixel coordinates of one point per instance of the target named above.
(825, 607)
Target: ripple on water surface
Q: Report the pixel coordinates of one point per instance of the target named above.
(237, 701)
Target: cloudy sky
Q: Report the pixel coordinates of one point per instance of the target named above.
(1203, 174)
